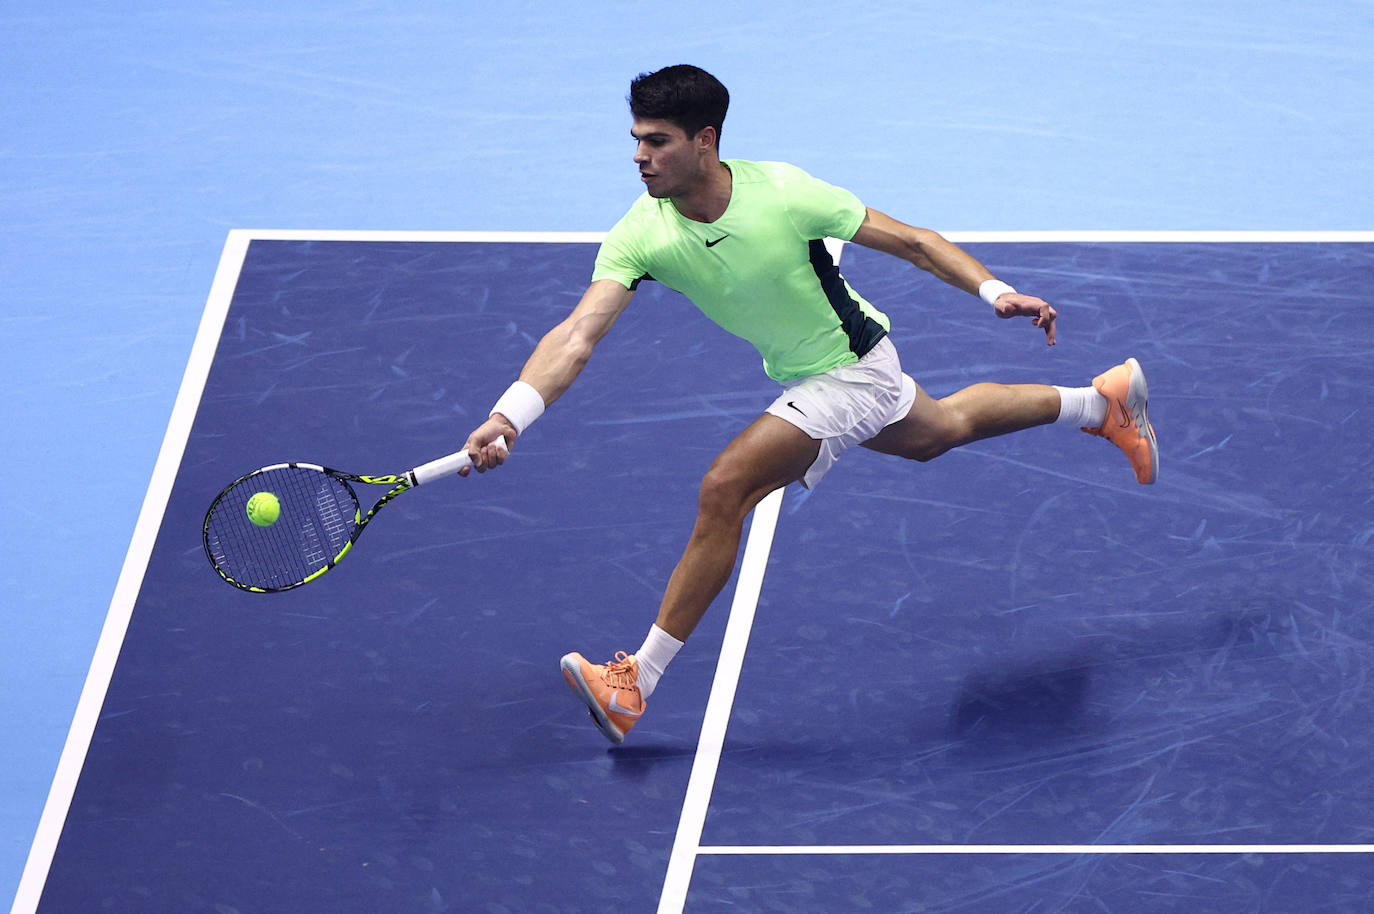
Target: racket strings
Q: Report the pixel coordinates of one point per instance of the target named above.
(318, 515)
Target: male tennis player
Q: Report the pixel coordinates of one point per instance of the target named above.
(744, 241)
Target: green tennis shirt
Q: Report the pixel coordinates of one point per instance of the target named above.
(761, 270)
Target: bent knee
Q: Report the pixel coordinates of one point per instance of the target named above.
(928, 447)
(927, 452)
(729, 491)
(921, 443)
(953, 428)
(723, 493)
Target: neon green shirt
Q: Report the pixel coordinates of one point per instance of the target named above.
(761, 270)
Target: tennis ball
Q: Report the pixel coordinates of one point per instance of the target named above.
(264, 509)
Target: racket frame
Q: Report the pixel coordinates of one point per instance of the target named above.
(425, 473)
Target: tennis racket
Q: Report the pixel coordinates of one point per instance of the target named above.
(317, 520)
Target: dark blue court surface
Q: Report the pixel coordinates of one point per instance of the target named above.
(1014, 645)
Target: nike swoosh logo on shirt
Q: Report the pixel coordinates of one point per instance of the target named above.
(711, 244)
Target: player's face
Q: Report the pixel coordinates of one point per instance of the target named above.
(670, 162)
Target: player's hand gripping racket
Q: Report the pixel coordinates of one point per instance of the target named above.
(285, 525)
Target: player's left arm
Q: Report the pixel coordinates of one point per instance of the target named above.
(942, 258)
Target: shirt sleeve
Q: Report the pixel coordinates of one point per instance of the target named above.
(818, 209)
(617, 257)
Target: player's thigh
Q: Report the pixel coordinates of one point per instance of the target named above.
(768, 455)
(924, 432)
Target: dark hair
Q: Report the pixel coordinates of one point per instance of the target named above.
(684, 95)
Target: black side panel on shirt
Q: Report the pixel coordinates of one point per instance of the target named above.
(863, 332)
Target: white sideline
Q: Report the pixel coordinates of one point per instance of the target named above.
(972, 849)
(686, 846)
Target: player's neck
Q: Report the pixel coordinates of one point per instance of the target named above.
(709, 198)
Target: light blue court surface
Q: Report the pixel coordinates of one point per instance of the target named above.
(134, 140)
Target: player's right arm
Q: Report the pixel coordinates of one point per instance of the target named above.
(556, 362)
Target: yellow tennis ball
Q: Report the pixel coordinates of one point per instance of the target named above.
(264, 509)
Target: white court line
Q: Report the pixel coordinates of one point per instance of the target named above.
(1056, 235)
(992, 849)
(432, 236)
(1165, 237)
(687, 844)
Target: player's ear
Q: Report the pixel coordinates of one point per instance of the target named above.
(706, 138)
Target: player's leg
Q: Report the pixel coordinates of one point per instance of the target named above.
(1116, 407)
(931, 427)
(766, 456)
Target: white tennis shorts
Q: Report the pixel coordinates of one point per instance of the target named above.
(847, 405)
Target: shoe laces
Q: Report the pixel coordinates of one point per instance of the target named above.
(621, 673)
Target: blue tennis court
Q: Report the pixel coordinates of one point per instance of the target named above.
(1010, 679)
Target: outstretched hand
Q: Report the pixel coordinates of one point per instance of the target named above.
(1014, 304)
(486, 444)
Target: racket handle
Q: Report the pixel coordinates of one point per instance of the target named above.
(447, 466)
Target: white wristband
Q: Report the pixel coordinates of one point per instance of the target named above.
(992, 288)
(521, 404)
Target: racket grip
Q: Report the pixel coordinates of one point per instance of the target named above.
(447, 466)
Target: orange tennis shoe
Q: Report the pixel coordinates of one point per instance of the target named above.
(609, 690)
(1128, 419)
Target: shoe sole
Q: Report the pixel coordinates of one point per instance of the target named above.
(1138, 403)
(572, 671)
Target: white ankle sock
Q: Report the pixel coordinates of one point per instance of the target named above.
(1081, 407)
(653, 658)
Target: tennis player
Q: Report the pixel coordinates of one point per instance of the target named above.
(745, 242)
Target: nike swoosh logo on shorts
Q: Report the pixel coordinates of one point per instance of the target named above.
(795, 406)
